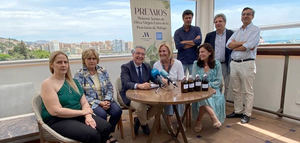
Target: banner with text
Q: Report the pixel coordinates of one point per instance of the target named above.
(151, 25)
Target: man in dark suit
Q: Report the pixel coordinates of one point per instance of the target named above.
(136, 75)
(218, 40)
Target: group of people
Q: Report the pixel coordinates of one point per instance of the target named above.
(77, 107)
(225, 56)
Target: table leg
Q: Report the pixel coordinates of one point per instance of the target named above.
(174, 137)
(187, 115)
(155, 124)
(180, 124)
(186, 112)
(190, 115)
(167, 124)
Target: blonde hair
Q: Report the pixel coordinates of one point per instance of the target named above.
(88, 53)
(68, 76)
(168, 47)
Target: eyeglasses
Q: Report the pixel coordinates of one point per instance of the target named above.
(246, 14)
(138, 53)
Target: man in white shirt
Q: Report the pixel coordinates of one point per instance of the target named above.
(243, 44)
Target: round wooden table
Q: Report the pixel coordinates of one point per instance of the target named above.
(168, 96)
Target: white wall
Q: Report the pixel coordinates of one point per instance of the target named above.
(15, 99)
(268, 82)
(292, 97)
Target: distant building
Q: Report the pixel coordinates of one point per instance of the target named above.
(95, 45)
(65, 47)
(118, 46)
(108, 45)
(75, 49)
(84, 45)
(53, 46)
(128, 46)
(45, 47)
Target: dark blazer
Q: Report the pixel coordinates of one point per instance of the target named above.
(129, 78)
(211, 37)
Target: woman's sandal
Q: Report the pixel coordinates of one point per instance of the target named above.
(217, 125)
(198, 126)
(112, 139)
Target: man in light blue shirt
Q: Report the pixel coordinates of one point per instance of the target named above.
(243, 44)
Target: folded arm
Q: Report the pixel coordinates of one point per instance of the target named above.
(190, 43)
(252, 40)
(235, 44)
(177, 41)
(250, 44)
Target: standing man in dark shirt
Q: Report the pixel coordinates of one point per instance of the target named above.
(218, 41)
(187, 38)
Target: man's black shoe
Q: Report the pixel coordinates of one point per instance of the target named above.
(136, 126)
(245, 119)
(146, 129)
(234, 115)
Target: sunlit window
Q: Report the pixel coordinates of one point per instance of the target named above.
(267, 13)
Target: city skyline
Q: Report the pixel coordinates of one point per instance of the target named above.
(75, 21)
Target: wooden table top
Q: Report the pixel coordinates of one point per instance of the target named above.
(169, 95)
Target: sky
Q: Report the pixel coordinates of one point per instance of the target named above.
(99, 20)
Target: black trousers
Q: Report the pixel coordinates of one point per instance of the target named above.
(75, 128)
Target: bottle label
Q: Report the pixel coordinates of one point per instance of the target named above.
(185, 86)
(204, 85)
(191, 85)
(198, 83)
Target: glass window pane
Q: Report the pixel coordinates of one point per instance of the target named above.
(267, 12)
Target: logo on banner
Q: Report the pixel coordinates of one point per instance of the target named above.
(159, 36)
(146, 35)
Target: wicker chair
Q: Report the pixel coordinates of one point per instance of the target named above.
(46, 133)
(118, 86)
